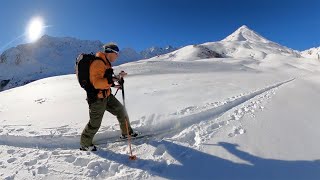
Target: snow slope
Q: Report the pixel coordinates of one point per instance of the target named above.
(52, 56)
(216, 118)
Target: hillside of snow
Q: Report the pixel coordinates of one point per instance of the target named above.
(215, 118)
(52, 56)
(47, 57)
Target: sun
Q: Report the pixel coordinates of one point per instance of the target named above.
(35, 29)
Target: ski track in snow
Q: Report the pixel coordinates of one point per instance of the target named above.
(202, 118)
(55, 153)
(206, 122)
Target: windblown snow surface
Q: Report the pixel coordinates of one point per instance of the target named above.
(227, 118)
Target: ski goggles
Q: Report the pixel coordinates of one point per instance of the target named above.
(111, 50)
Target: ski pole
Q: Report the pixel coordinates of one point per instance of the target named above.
(121, 82)
(131, 157)
(116, 92)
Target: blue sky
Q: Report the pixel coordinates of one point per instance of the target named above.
(144, 23)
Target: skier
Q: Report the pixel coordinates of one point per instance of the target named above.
(102, 78)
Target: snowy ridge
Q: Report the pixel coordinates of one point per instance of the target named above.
(49, 56)
(311, 53)
(52, 56)
(156, 51)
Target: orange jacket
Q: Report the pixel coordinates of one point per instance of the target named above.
(97, 70)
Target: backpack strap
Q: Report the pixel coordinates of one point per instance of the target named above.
(108, 62)
(104, 91)
(99, 58)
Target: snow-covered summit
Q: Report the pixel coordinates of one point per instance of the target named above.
(311, 53)
(242, 43)
(245, 34)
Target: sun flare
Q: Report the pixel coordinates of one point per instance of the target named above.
(35, 29)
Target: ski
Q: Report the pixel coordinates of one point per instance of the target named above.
(115, 140)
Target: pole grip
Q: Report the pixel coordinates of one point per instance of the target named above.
(122, 87)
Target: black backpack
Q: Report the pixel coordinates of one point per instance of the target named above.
(82, 68)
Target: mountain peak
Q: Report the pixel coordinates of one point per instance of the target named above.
(244, 33)
(243, 27)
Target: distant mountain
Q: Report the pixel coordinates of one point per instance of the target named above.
(243, 43)
(156, 51)
(51, 56)
(312, 53)
(128, 55)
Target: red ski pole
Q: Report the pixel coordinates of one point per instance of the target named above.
(131, 157)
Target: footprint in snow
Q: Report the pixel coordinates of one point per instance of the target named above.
(30, 163)
(20, 129)
(23, 155)
(70, 159)
(11, 177)
(97, 167)
(11, 151)
(81, 162)
(237, 131)
(186, 110)
(55, 153)
(11, 160)
(43, 156)
(43, 170)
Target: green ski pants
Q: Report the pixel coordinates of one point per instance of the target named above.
(96, 111)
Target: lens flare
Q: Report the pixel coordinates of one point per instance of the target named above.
(35, 29)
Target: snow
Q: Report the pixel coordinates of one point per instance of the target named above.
(242, 119)
(211, 118)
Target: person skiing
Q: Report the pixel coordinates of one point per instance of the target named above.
(102, 78)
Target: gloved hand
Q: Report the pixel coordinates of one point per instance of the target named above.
(118, 77)
(122, 74)
(118, 86)
(109, 76)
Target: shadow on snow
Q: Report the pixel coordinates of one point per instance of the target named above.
(198, 165)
